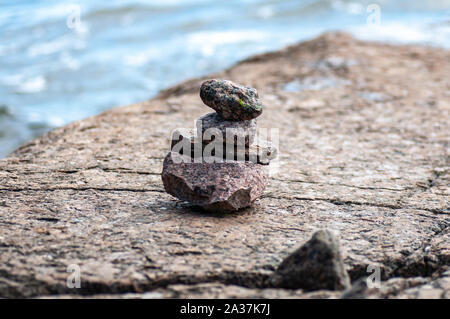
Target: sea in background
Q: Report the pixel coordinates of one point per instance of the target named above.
(62, 61)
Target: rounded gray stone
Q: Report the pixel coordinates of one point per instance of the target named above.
(231, 101)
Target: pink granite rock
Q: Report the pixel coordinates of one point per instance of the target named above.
(217, 187)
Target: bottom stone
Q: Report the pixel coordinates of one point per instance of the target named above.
(217, 187)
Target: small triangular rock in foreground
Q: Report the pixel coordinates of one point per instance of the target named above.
(316, 265)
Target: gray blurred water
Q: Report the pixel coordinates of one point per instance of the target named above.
(56, 68)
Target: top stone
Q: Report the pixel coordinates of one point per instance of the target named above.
(231, 101)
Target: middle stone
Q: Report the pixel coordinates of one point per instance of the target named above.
(231, 132)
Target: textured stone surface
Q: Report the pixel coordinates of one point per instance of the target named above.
(410, 288)
(316, 265)
(230, 100)
(217, 187)
(184, 142)
(363, 152)
(402, 288)
(240, 132)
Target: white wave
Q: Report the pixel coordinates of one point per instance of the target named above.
(63, 43)
(69, 61)
(53, 11)
(403, 33)
(48, 47)
(265, 12)
(33, 85)
(141, 58)
(56, 121)
(353, 7)
(45, 118)
(225, 37)
(12, 80)
(208, 41)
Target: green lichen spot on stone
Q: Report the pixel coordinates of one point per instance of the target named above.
(241, 103)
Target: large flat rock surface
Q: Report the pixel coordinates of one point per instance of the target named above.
(364, 141)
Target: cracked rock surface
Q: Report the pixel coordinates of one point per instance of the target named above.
(363, 152)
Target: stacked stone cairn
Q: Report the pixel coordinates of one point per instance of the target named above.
(220, 167)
